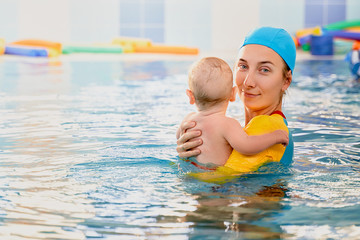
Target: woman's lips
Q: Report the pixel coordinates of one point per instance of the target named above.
(250, 95)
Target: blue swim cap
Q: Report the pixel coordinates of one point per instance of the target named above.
(277, 39)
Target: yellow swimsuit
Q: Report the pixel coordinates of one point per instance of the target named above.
(238, 163)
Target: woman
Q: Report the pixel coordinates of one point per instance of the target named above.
(263, 73)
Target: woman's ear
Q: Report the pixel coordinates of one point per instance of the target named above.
(287, 82)
(191, 96)
(233, 94)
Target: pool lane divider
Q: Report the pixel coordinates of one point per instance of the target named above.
(119, 45)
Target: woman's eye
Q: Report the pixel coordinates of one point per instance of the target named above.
(242, 66)
(264, 70)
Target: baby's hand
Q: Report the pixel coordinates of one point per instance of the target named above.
(282, 137)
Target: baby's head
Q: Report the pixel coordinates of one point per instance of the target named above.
(210, 82)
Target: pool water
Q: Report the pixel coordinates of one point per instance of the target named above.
(87, 151)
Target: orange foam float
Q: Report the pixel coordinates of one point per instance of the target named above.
(53, 48)
(39, 43)
(144, 45)
(2, 46)
(353, 29)
(356, 45)
(166, 49)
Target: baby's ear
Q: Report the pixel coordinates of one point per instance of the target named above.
(191, 96)
(233, 94)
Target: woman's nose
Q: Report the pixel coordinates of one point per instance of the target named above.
(249, 80)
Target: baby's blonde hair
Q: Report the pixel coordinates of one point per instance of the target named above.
(211, 81)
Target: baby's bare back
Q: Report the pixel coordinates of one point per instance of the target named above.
(215, 149)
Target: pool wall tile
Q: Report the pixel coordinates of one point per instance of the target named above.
(156, 34)
(130, 12)
(336, 12)
(154, 12)
(314, 15)
(323, 12)
(142, 18)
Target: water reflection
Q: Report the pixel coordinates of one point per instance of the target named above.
(244, 208)
(40, 200)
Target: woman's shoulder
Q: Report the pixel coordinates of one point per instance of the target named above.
(265, 123)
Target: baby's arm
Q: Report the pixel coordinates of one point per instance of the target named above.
(249, 145)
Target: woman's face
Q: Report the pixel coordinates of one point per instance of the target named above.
(260, 79)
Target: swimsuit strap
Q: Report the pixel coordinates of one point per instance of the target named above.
(278, 112)
(198, 165)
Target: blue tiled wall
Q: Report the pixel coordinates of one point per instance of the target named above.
(142, 18)
(323, 12)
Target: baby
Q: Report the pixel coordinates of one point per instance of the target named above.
(211, 90)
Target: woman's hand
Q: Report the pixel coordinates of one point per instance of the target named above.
(188, 140)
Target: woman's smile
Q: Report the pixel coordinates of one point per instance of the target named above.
(250, 94)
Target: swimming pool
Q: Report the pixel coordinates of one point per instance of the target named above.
(87, 150)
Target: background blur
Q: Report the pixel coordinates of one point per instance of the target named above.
(211, 25)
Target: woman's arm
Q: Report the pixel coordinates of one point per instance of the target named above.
(249, 145)
(188, 140)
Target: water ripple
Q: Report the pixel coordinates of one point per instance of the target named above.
(88, 151)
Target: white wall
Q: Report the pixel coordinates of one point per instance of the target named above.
(188, 22)
(352, 9)
(44, 19)
(231, 21)
(9, 19)
(60, 20)
(94, 20)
